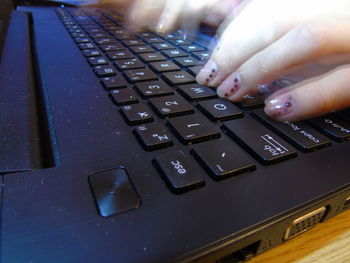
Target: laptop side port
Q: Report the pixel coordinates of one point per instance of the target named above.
(242, 255)
(304, 223)
(347, 203)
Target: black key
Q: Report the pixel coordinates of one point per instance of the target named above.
(153, 136)
(332, 126)
(262, 143)
(104, 71)
(250, 102)
(194, 92)
(81, 40)
(193, 48)
(95, 61)
(154, 89)
(163, 46)
(99, 35)
(114, 192)
(131, 63)
(116, 82)
(220, 110)
(123, 97)
(302, 136)
(188, 62)
(119, 54)
(223, 158)
(142, 49)
(171, 36)
(193, 128)
(202, 55)
(107, 40)
(175, 53)
(180, 174)
(142, 74)
(178, 77)
(195, 70)
(181, 42)
(149, 57)
(133, 42)
(125, 36)
(136, 114)
(147, 35)
(76, 35)
(84, 46)
(91, 53)
(164, 66)
(154, 40)
(112, 47)
(170, 106)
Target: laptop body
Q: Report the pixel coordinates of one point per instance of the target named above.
(78, 185)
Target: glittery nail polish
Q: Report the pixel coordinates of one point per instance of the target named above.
(280, 106)
(230, 86)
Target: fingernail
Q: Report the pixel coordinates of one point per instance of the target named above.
(266, 90)
(161, 27)
(208, 73)
(230, 86)
(280, 106)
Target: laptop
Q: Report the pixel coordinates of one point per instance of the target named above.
(110, 152)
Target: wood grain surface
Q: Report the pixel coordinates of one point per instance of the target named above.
(327, 242)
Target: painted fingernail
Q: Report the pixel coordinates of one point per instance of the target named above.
(208, 73)
(230, 86)
(280, 106)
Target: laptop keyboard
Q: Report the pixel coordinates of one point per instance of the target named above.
(151, 80)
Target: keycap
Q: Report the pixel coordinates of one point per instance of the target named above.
(81, 40)
(195, 92)
(332, 126)
(131, 63)
(104, 71)
(113, 191)
(142, 74)
(119, 54)
(142, 49)
(149, 57)
(163, 46)
(116, 82)
(133, 42)
(95, 61)
(106, 40)
(123, 97)
(250, 102)
(219, 110)
(178, 77)
(170, 106)
(300, 135)
(193, 128)
(193, 48)
(195, 70)
(174, 53)
(202, 55)
(91, 53)
(136, 114)
(180, 174)
(164, 66)
(99, 35)
(181, 42)
(112, 47)
(153, 136)
(154, 40)
(151, 89)
(345, 114)
(84, 46)
(223, 158)
(262, 143)
(188, 62)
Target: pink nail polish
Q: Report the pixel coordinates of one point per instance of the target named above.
(207, 73)
(280, 106)
(230, 86)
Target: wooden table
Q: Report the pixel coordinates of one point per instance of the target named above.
(328, 242)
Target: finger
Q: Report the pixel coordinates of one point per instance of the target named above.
(297, 48)
(170, 15)
(258, 25)
(313, 98)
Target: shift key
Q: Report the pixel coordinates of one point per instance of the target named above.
(262, 143)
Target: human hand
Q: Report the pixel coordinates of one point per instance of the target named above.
(164, 15)
(273, 38)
